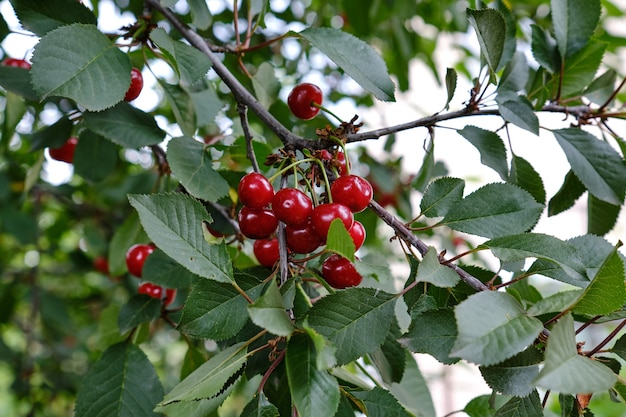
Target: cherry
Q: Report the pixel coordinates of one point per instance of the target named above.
(324, 214)
(14, 62)
(357, 233)
(352, 191)
(339, 272)
(156, 291)
(255, 191)
(101, 264)
(170, 295)
(136, 256)
(266, 251)
(136, 85)
(257, 223)
(292, 206)
(301, 99)
(341, 163)
(64, 152)
(302, 239)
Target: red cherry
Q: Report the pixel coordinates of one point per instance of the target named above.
(136, 85)
(170, 295)
(153, 290)
(352, 191)
(324, 214)
(257, 223)
(302, 239)
(357, 233)
(339, 272)
(14, 62)
(301, 99)
(342, 164)
(136, 256)
(255, 191)
(292, 206)
(101, 264)
(64, 152)
(266, 251)
(324, 155)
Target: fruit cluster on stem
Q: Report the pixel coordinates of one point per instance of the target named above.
(136, 257)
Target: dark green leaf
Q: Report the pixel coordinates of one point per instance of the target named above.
(440, 195)
(94, 156)
(451, 78)
(121, 382)
(40, 17)
(315, 393)
(433, 332)
(528, 406)
(494, 210)
(211, 378)
(516, 375)
(17, 80)
(574, 22)
(601, 216)
(125, 125)
(79, 62)
(580, 69)
(555, 303)
(619, 348)
(389, 359)
(567, 195)
(266, 85)
(490, 29)
(216, 310)
(431, 270)
(269, 312)
(207, 105)
(139, 309)
(602, 88)
(174, 223)
(189, 63)
(201, 16)
(518, 110)
(380, 403)
(490, 146)
(544, 49)
(515, 74)
(537, 245)
(191, 164)
(260, 407)
(182, 106)
(52, 136)
(412, 391)
(356, 320)
(4, 28)
(524, 175)
(162, 270)
(128, 233)
(565, 370)
(355, 57)
(339, 240)
(598, 166)
(492, 327)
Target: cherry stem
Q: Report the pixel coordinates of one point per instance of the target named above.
(324, 109)
(271, 368)
(282, 170)
(326, 182)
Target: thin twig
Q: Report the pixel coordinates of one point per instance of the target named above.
(243, 116)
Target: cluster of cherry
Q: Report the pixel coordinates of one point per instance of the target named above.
(135, 258)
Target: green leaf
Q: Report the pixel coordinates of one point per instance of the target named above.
(269, 312)
(524, 175)
(162, 270)
(451, 79)
(125, 125)
(619, 348)
(266, 85)
(433, 332)
(324, 350)
(580, 69)
(52, 136)
(574, 22)
(174, 223)
(430, 270)
(412, 391)
(601, 216)
(440, 195)
(528, 406)
(182, 106)
(94, 156)
(564, 199)
(490, 29)
(260, 407)
(606, 293)
(17, 80)
(211, 378)
(189, 63)
(565, 370)
(492, 327)
(201, 16)
(315, 393)
(216, 310)
(128, 233)
(515, 75)
(339, 240)
(355, 57)
(555, 303)
(191, 164)
(389, 359)
(602, 88)
(494, 210)
(207, 105)
(490, 146)
(139, 309)
(79, 62)
(544, 49)
(380, 403)
(518, 110)
(598, 166)
(356, 320)
(514, 376)
(121, 382)
(537, 245)
(40, 17)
